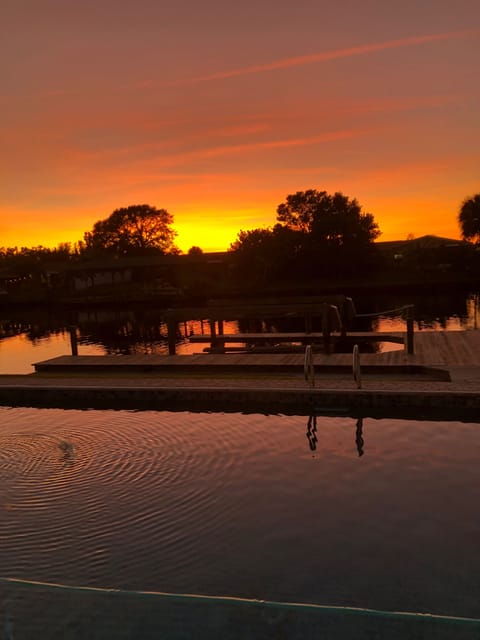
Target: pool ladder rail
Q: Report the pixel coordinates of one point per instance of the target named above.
(309, 367)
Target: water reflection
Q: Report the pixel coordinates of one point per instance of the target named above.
(312, 432)
(313, 439)
(178, 502)
(448, 310)
(359, 437)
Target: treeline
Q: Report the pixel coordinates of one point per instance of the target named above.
(26, 260)
(315, 234)
(134, 230)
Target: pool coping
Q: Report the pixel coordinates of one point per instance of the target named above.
(378, 403)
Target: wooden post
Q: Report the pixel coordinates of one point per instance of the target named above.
(73, 340)
(172, 335)
(357, 376)
(213, 335)
(347, 314)
(326, 326)
(410, 343)
(308, 323)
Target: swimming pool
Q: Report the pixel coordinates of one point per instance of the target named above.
(380, 514)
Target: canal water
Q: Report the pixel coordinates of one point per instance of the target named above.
(378, 514)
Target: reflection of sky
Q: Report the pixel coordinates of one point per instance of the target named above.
(200, 327)
(17, 354)
(240, 505)
(454, 323)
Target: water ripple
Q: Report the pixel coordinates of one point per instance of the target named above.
(84, 485)
(242, 504)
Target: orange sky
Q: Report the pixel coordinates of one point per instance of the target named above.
(216, 111)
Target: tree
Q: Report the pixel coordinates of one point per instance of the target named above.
(252, 251)
(264, 255)
(335, 236)
(134, 230)
(469, 218)
(335, 219)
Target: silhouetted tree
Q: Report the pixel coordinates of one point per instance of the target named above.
(264, 255)
(469, 218)
(195, 251)
(336, 235)
(252, 253)
(133, 230)
(335, 219)
(316, 234)
(34, 259)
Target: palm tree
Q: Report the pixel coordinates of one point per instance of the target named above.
(469, 218)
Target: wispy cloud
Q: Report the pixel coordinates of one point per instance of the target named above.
(277, 144)
(326, 56)
(155, 155)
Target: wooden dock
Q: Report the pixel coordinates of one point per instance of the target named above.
(441, 381)
(432, 349)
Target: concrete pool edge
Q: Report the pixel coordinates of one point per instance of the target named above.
(412, 404)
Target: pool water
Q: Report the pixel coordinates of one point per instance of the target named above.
(374, 513)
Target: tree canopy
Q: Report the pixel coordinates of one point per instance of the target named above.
(469, 218)
(333, 219)
(133, 230)
(316, 234)
(195, 251)
(265, 254)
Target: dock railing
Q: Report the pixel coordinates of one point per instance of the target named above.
(407, 313)
(336, 320)
(335, 324)
(336, 314)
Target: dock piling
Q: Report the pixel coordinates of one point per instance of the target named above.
(410, 330)
(73, 340)
(171, 334)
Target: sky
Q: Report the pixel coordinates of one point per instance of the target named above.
(217, 110)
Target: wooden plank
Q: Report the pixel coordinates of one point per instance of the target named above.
(249, 338)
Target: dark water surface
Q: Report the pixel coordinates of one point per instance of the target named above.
(244, 505)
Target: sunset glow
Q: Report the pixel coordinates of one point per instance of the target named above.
(217, 111)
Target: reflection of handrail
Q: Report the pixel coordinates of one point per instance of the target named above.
(312, 432)
(308, 368)
(356, 366)
(359, 437)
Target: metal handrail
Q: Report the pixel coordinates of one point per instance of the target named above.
(308, 366)
(357, 376)
(388, 312)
